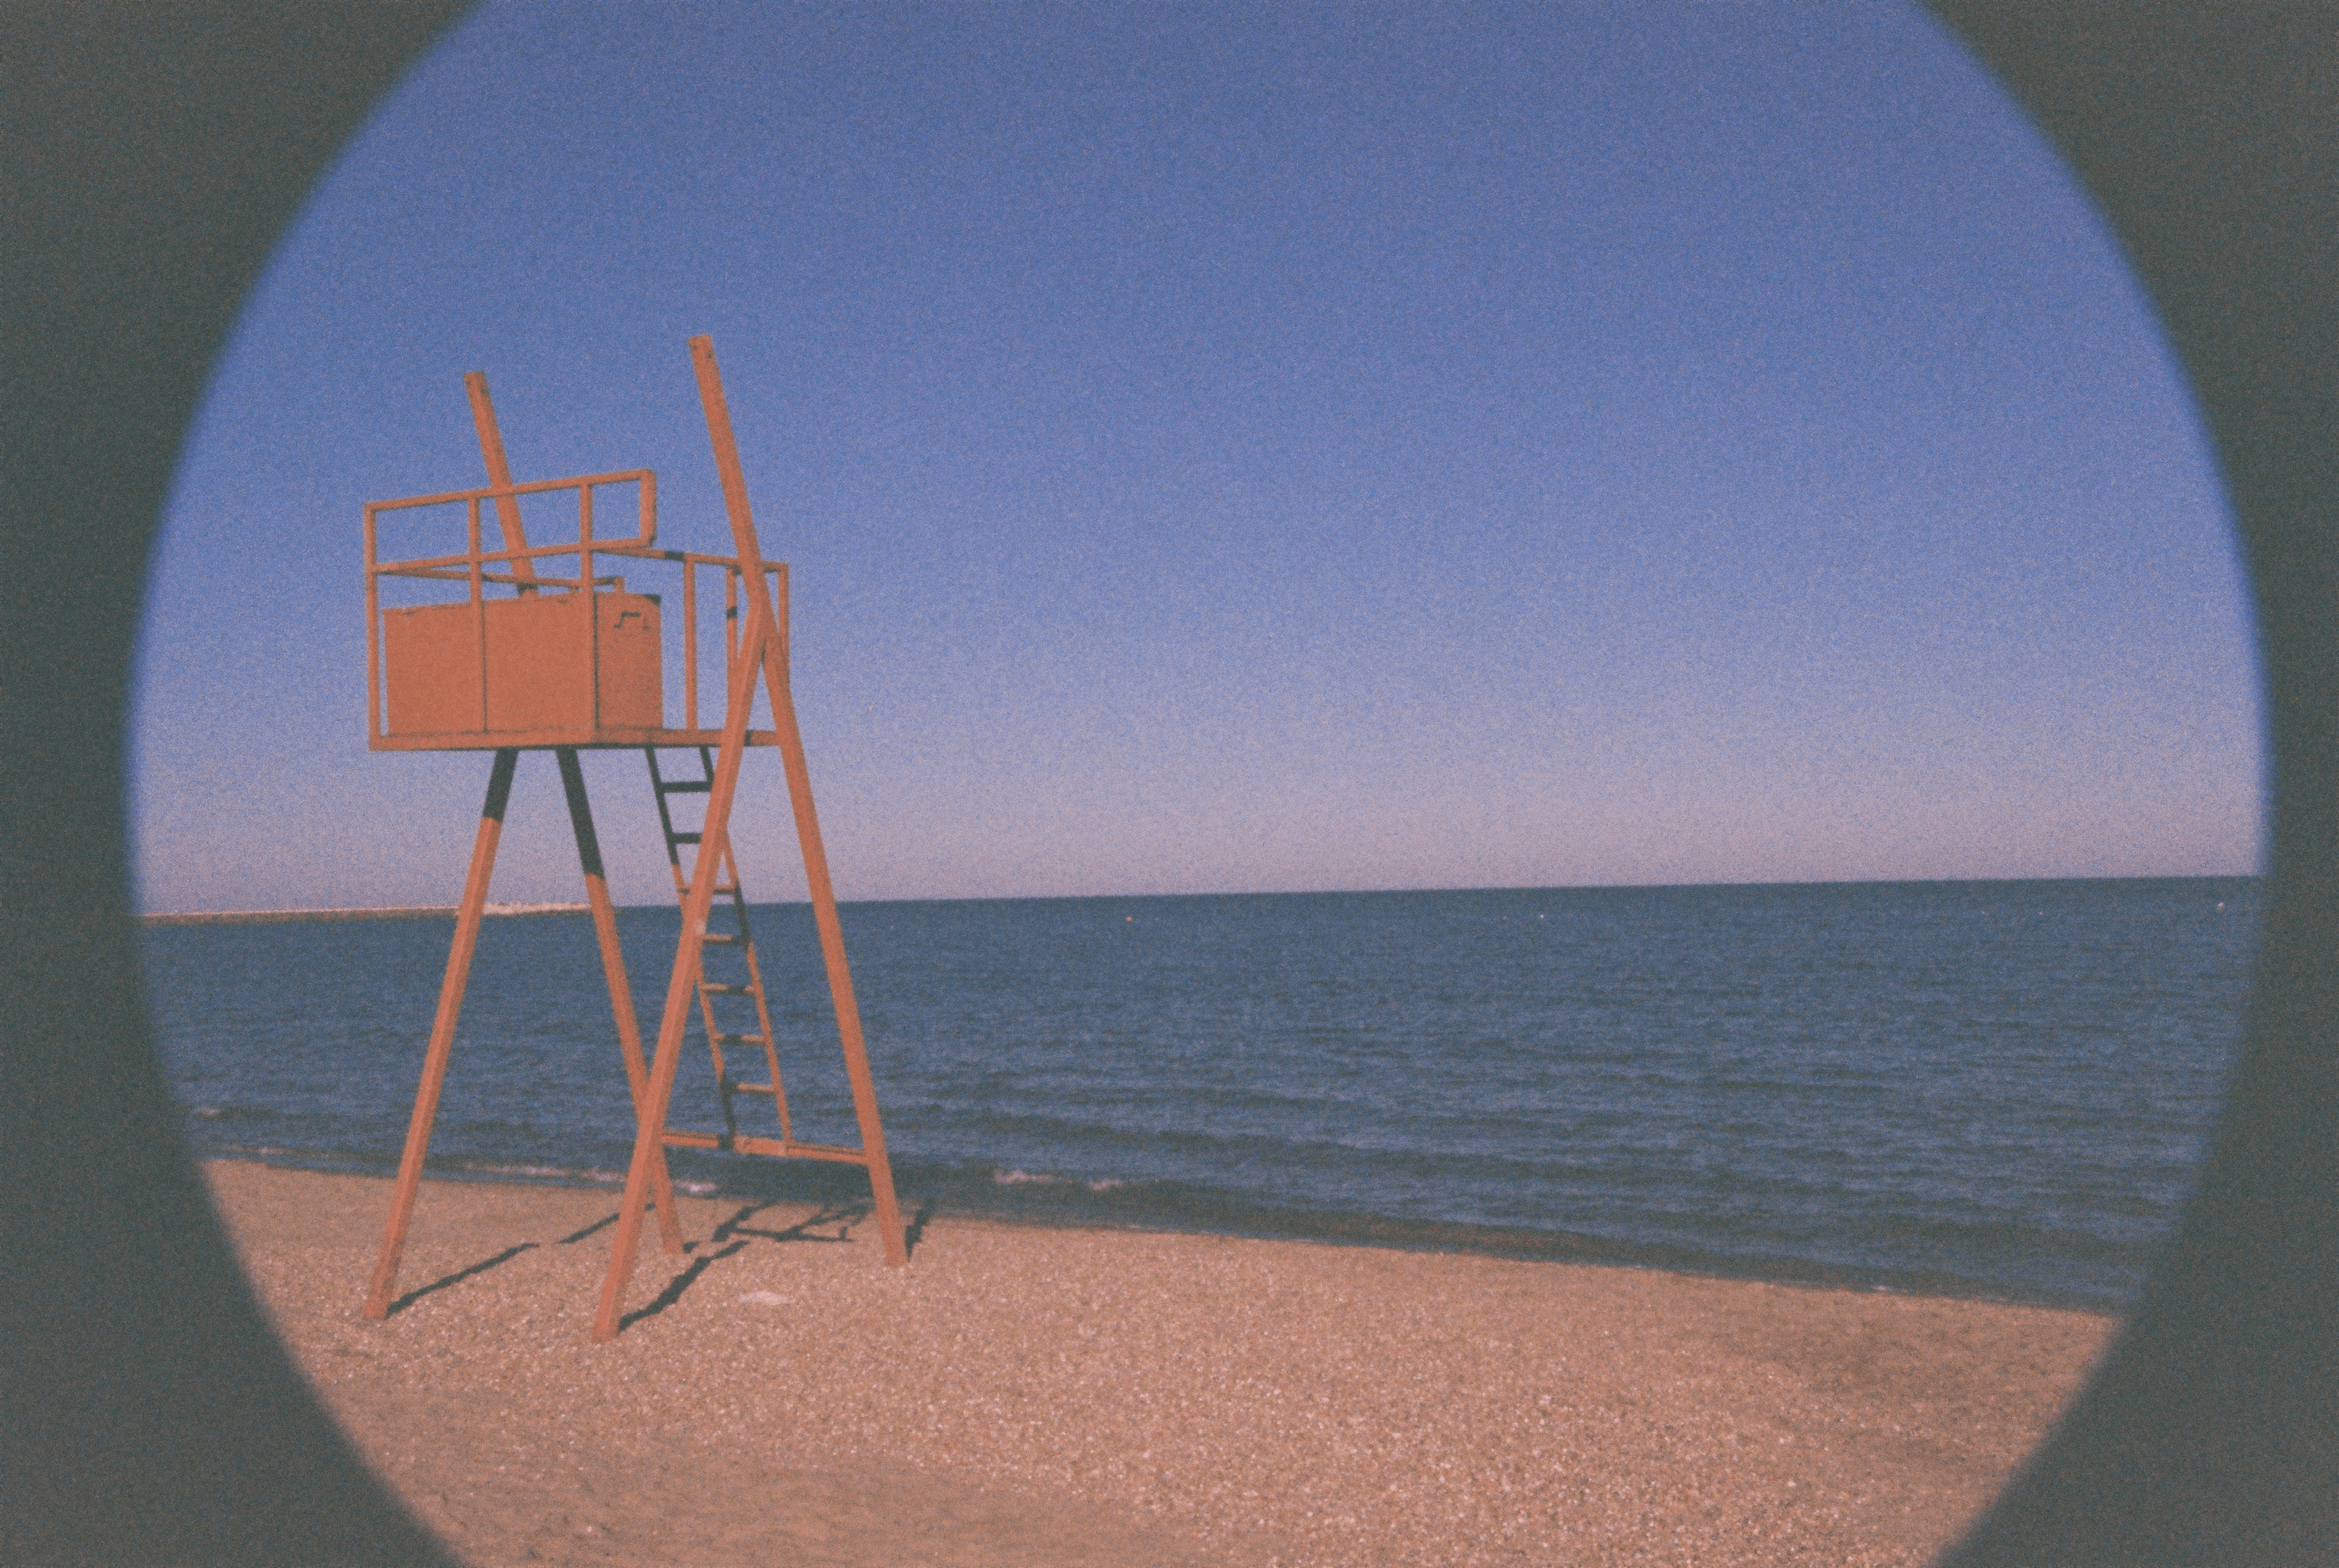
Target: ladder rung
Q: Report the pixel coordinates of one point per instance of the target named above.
(684, 786)
(785, 1147)
(722, 938)
(726, 988)
(751, 1089)
(684, 837)
(722, 1039)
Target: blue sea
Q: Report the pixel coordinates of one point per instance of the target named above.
(1996, 1089)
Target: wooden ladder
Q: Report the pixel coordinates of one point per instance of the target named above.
(740, 938)
(763, 659)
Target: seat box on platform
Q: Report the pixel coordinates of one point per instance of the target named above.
(542, 669)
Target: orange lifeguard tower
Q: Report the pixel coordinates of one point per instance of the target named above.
(528, 661)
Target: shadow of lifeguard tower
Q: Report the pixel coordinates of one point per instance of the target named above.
(530, 660)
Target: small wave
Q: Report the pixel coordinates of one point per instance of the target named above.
(1018, 1178)
(495, 1170)
(1046, 1178)
(231, 1113)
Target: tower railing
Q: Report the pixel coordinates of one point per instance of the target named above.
(515, 571)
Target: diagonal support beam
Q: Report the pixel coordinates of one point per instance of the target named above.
(774, 662)
(491, 448)
(442, 1032)
(762, 657)
(621, 990)
(682, 987)
(581, 812)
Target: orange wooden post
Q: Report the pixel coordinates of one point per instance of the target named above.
(442, 1032)
(581, 809)
(621, 990)
(683, 986)
(774, 662)
(491, 448)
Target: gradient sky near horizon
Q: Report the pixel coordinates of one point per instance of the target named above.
(1233, 448)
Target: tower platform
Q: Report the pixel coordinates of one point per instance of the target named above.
(530, 659)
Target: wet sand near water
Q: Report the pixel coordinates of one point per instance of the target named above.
(1039, 1397)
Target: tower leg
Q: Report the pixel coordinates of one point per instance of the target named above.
(621, 990)
(683, 986)
(773, 657)
(840, 977)
(442, 1032)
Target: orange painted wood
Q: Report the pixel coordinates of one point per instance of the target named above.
(621, 990)
(539, 669)
(682, 987)
(609, 737)
(774, 661)
(442, 1032)
(491, 449)
(566, 666)
(780, 1147)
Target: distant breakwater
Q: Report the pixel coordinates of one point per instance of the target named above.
(418, 911)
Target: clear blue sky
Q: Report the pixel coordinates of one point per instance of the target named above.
(1246, 448)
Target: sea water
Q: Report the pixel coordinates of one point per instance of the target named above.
(1990, 1088)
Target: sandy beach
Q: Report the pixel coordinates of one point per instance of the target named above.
(1022, 1394)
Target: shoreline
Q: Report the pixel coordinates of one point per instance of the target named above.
(1266, 1222)
(1039, 1394)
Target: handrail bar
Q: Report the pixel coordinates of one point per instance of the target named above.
(651, 553)
(629, 548)
(503, 579)
(464, 558)
(473, 567)
(583, 485)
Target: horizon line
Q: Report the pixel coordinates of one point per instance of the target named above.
(536, 908)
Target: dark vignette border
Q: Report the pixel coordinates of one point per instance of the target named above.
(149, 158)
